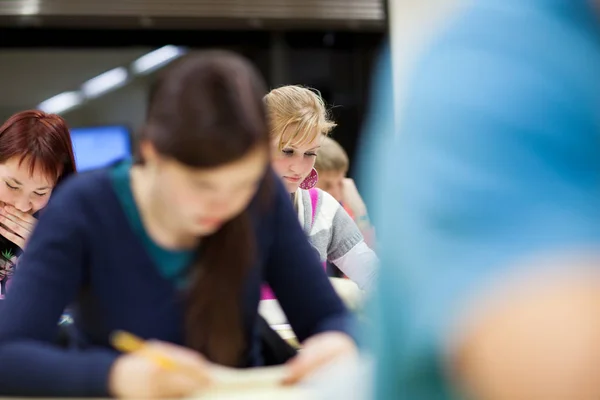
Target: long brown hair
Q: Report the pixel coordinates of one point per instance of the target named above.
(206, 111)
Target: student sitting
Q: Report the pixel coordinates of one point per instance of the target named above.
(173, 249)
(299, 122)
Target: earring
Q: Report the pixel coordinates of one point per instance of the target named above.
(310, 181)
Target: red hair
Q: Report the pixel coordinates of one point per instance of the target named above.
(40, 138)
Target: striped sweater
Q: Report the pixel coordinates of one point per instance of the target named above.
(335, 236)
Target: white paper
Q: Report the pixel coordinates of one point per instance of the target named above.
(249, 384)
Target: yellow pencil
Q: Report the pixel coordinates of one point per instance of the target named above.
(128, 342)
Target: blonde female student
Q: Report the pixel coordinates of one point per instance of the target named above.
(173, 249)
(299, 122)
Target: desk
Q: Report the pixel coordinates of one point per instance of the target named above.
(345, 379)
(342, 380)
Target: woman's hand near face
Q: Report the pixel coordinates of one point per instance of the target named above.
(15, 225)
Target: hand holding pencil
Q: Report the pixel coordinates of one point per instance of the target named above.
(153, 369)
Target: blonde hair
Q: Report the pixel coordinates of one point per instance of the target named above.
(331, 157)
(300, 106)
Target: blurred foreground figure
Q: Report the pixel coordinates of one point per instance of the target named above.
(488, 203)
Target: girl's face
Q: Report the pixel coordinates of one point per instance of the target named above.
(293, 163)
(200, 201)
(26, 190)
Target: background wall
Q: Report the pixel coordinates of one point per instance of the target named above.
(126, 106)
(32, 75)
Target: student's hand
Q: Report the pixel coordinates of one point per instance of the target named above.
(15, 225)
(135, 375)
(317, 351)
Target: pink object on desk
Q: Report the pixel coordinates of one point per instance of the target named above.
(266, 292)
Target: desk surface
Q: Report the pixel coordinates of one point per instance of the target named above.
(343, 379)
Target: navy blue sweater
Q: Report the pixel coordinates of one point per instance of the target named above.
(83, 251)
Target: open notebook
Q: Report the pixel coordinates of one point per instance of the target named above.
(249, 384)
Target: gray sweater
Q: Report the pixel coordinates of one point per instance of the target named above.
(336, 237)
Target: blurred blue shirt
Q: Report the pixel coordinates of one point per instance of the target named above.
(497, 157)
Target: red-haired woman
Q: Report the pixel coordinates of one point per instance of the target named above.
(35, 155)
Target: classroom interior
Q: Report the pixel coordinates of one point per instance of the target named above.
(449, 196)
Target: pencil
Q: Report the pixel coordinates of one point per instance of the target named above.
(128, 343)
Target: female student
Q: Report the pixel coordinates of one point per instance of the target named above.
(488, 207)
(299, 122)
(172, 249)
(35, 155)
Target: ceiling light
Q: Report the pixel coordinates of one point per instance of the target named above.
(157, 58)
(105, 82)
(61, 102)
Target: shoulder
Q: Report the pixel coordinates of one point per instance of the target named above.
(327, 211)
(82, 191)
(509, 42)
(323, 199)
(79, 210)
(326, 199)
(326, 204)
(84, 184)
(459, 125)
